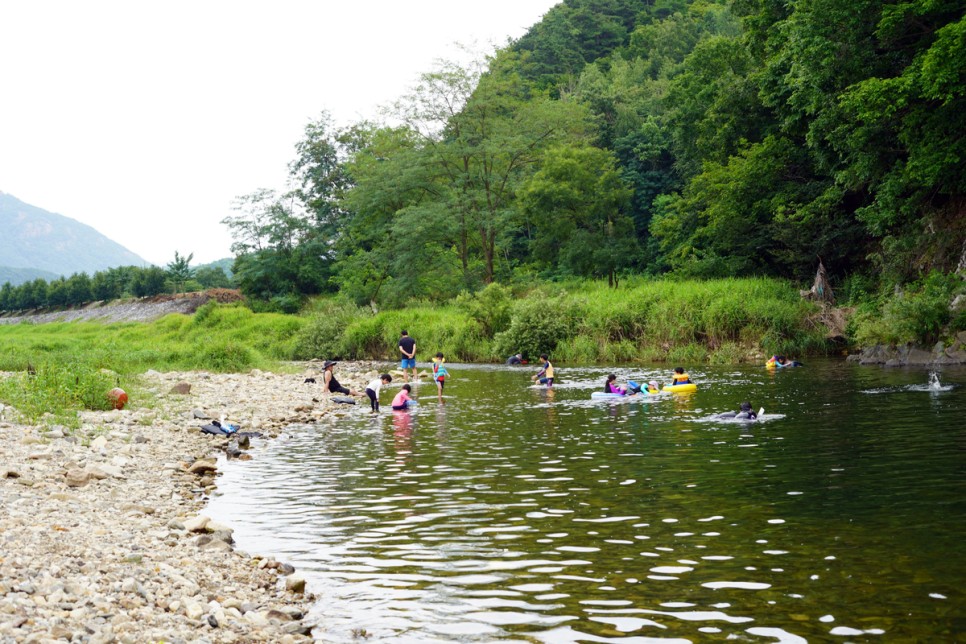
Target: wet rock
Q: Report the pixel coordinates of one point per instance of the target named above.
(203, 467)
(295, 584)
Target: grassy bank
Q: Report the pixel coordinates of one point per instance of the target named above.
(68, 366)
(717, 321)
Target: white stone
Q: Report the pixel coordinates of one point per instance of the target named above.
(197, 524)
(194, 610)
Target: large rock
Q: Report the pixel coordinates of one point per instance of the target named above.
(202, 467)
(77, 477)
(197, 524)
(181, 389)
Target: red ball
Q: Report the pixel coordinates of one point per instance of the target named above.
(118, 397)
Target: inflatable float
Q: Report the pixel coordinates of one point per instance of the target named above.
(680, 389)
(631, 385)
(601, 395)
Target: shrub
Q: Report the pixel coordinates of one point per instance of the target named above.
(919, 314)
(537, 325)
(325, 334)
(490, 307)
(227, 356)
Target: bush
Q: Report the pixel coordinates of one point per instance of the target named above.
(537, 325)
(227, 356)
(919, 314)
(324, 335)
(490, 307)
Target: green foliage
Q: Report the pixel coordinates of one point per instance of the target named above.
(490, 307)
(435, 328)
(576, 205)
(180, 271)
(323, 335)
(917, 314)
(282, 254)
(537, 324)
(59, 387)
(148, 281)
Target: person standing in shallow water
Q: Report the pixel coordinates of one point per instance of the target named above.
(439, 375)
(545, 374)
(407, 350)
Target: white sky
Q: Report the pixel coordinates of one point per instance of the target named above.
(146, 118)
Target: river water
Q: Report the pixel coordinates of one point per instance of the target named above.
(520, 514)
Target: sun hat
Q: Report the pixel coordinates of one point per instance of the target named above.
(329, 363)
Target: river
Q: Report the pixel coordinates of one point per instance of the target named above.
(520, 514)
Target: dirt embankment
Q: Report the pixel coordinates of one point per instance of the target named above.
(139, 310)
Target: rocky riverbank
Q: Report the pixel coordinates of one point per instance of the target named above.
(911, 356)
(104, 537)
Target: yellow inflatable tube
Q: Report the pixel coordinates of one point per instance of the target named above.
(680, 389)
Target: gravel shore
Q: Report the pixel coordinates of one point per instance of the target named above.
(103, 536)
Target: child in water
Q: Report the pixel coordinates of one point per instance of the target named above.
(679, 377)
(402, 399)
(610, 386)
(744, 413)
(653, 387)
(439, 374)
(372, 389)
(546, 372)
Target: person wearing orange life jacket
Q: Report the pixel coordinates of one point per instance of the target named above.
(545, 374)
(679, 377)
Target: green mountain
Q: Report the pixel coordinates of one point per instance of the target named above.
(34, 238)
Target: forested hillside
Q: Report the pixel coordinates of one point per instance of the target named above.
(702, 138)
(669, 138)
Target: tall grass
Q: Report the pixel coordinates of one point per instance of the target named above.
(720, 321)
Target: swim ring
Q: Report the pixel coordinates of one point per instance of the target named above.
(680, 389)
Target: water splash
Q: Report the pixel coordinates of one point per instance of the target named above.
(934, 383)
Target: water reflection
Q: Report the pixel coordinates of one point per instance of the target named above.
(522, 514)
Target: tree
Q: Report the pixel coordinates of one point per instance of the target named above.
(79, 290)
(484, 134)
(180, 271)
(576, 206)
(212, 277)
(148, 281)
(279, 253)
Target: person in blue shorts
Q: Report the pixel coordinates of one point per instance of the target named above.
(545, 375)
(407, 349)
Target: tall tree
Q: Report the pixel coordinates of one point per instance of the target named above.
(180, 271)
(483, 134)
(576, 205)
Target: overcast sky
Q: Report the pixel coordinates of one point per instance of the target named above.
(146, 118)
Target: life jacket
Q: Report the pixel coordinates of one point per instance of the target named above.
(681, 379)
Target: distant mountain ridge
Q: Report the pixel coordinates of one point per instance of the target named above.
(33, 238)
(18, 276)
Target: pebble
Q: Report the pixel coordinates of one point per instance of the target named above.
(101, 520)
